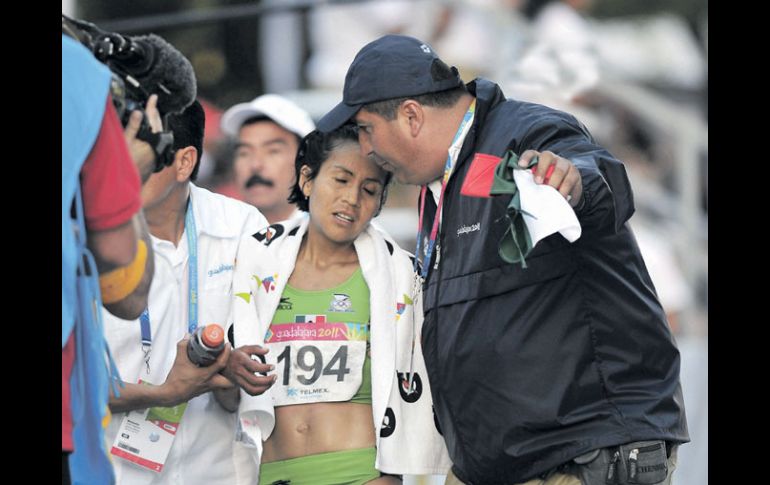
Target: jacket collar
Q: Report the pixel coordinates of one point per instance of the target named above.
(210, 215)
(488, 95)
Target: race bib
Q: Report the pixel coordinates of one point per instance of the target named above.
(316, 361)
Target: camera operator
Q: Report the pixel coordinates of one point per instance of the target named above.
(104, 236)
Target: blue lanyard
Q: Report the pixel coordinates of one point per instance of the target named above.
(434, 229)
(192, 267)
(144, 321)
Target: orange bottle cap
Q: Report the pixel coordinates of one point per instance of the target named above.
(213, 335)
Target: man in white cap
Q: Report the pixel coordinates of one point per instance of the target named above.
(268, 130)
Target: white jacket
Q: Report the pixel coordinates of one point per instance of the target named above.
(204, 449)
(410, 442)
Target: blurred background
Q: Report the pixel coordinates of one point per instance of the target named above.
(635, 72)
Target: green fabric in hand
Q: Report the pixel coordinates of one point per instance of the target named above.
(516, 243)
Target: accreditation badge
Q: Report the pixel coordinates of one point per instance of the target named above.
(145, 436)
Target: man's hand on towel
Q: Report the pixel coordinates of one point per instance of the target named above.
(557, 172)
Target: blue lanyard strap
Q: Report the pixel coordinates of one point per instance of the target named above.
(192, 249)
(144, 321)
(192, 267)
(434, 229)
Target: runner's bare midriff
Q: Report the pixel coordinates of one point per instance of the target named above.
(309, 429)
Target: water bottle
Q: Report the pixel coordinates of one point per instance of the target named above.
(206, 343)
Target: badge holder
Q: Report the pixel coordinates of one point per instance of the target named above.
(145, 436)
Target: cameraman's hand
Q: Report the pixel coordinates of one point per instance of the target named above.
(141, 151)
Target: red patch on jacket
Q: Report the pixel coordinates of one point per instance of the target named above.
(478, 181)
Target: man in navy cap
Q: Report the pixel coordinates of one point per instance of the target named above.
(560, 369)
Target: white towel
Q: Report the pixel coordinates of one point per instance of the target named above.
(545, 210)
(410, 442)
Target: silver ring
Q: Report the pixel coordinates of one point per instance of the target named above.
(569, 197)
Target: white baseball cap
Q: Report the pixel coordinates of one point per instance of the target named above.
(277, 108)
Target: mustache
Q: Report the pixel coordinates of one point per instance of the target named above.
(256, 180)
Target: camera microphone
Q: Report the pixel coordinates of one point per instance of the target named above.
(149, 63)
(141, 66)
(160, 68)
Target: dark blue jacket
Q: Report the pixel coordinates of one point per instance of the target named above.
(532, 367)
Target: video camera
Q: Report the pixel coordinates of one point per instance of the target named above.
(141, 66)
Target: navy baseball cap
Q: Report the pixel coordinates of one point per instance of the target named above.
(392, 66)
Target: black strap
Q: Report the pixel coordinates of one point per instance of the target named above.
(162, 144)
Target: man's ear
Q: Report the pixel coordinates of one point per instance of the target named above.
(185, 160)
(413, 114)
